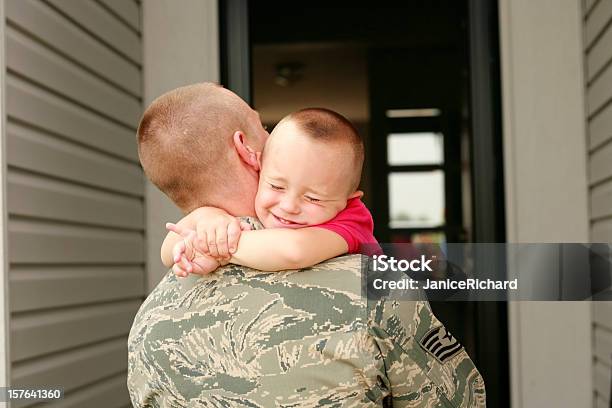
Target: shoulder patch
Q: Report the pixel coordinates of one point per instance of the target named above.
(440, 343)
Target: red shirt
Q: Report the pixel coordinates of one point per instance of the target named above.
(354, 224)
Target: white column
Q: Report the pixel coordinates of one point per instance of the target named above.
(546, 191)
(180, 47)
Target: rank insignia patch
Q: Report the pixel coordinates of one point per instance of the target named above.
(440, 343)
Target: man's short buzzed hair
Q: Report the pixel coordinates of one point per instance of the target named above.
(327, 126)
(183, 140)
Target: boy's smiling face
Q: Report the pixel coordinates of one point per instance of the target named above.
(302, 181)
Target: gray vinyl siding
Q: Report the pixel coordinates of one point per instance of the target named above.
(598, 71)
(75, 194)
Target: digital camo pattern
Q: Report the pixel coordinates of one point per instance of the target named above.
(245, 338)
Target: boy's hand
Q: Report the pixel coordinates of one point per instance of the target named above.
(187, 259)
(218, 236)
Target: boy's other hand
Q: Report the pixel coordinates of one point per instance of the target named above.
(218, 236)
(201, 265)
(187, 259)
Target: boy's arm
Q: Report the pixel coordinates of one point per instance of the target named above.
(283, 248)
(190, 221)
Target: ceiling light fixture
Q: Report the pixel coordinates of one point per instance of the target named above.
(288, 73)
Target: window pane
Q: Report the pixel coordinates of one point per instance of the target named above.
(416, 199)
(415, 148)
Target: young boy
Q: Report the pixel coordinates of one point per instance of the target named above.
(307, 200)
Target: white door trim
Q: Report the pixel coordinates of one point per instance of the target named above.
(544, 137)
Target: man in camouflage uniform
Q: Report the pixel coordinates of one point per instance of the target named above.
(246, 338)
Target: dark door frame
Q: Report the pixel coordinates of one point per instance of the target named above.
(488, 189)
(235, 48)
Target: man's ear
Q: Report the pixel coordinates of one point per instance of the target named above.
(246, 153)
(356, 194)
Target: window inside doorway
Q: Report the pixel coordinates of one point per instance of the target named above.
(416, 182)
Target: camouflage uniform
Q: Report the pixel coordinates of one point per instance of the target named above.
(246, 338)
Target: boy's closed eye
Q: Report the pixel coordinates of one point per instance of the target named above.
(276, 187)
(313, 200)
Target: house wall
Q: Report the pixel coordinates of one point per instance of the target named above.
(597, 46)
(546, 191)
(74, 194)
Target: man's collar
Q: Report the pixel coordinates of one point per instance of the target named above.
(253, 222)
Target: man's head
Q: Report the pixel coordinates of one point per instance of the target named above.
(311, 166)
(198, 144)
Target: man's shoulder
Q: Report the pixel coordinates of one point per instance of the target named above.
(343, 273)
(346, 269)
(348, 260)
(350, 265)
(338, 278)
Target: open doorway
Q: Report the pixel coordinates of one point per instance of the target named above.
(401, 73)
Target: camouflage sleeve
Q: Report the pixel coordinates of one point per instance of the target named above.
(425, 365)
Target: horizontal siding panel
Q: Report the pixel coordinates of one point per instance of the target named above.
(603, 345)
(50, 27)
(601, 379)
(34, 151)
(602, 314)
(600, 128)
(52, 331)
(74, 368)
(34, 196)
(600, 91)
(597, 20)
(38, 107)
(35, 288)
(128, 10)
(102, 24)
(601, 200)
(63, 244)
(599, 164)
(37, 63)
(111, 393)
(600, 54)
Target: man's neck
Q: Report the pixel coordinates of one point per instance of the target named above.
(241, 213)
(239, 208)
(238, 199)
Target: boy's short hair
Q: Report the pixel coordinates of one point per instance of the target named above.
(183, 140)
(328, 126)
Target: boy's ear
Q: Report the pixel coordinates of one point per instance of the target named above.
(356, 194)
(246, 153)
